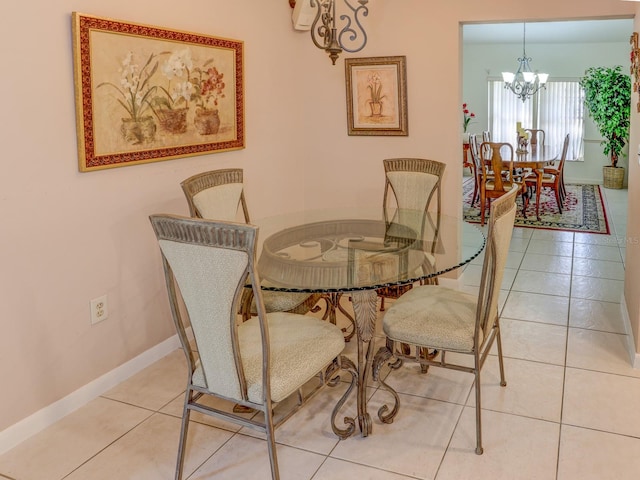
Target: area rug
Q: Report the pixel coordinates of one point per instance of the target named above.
(583, 210)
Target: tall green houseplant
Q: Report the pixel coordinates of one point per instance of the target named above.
(608, 100)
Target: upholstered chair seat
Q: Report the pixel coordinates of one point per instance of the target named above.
(433, 315)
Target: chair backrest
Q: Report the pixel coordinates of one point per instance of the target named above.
(206, 263)
(486, 136)
(500, 152)
(474, 151)
(501, 218)
(414, 182)
(216, 195)
(563, 156)
(537, 136)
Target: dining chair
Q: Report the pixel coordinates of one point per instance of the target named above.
(553, 177)
(476, 165)
(537, 136)
(503, 178)
(445, 320)
(256, 363)
(219, 195)
(412, 184)
(486, 137)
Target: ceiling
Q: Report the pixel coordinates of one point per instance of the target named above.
(581, 31)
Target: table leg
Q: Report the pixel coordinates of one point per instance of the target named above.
(333, 304)
(538, 188)
(364, 307)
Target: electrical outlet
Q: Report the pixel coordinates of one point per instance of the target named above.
(99, 309)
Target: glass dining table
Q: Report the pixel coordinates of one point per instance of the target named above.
(357, 252)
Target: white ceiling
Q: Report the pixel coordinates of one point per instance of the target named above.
(582, 31)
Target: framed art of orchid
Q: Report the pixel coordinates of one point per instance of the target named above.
(377, 96)
(145, 93)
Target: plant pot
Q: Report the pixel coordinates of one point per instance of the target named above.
(137, 131)
(613, 177)
(173, 121)
(207, 122)
(376, 109)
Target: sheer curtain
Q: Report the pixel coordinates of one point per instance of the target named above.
(562, 112)
(558, 110)
(505, 110)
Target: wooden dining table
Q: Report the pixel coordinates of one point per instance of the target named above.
(536, 158)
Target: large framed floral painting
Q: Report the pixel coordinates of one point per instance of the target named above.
(377, 96)
(146, 93)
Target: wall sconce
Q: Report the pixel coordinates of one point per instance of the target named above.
(319, 16)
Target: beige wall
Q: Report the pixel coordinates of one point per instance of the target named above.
(632, 270)
(68, 237)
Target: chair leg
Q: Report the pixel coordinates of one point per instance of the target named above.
(479, 449)
(271, 443)
(558, 200)
(475, 192)
(503, 381)
(183, 434)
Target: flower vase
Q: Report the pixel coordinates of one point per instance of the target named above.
(465, 138)
(173, 121)
(137, 131)
(523, 145)
(376, 108)
(207, 122)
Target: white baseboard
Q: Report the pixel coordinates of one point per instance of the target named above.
(634, 356)
(17, 433)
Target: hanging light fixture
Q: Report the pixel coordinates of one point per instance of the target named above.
(524, 83)
(324, 30)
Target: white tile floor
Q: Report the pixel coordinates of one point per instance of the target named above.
(570, 410)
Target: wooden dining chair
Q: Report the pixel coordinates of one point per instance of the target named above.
(503, 178)
(553, 177)
(476, 166)
(537, 136)
(443, 320)
(486, 137)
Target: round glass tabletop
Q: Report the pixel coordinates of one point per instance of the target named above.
(344, 250)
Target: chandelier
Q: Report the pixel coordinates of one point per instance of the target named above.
(325, 33)
(524, 83)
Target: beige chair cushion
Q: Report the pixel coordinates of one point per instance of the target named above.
(410, 188)
(433, 316)
(300, 347)
(279, 301)
(220, 203)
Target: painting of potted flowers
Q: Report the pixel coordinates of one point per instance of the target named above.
(209, 91)
(133, 92)
(147, 93)
(376, 96)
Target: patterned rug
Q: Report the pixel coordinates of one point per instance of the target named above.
(583, 210)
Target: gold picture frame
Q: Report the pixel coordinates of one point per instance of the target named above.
(377, 96)
(635, 65)
(146, 93)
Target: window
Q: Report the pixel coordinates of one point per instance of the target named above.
(558, 110)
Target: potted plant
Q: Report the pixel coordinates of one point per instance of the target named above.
(608, 100)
